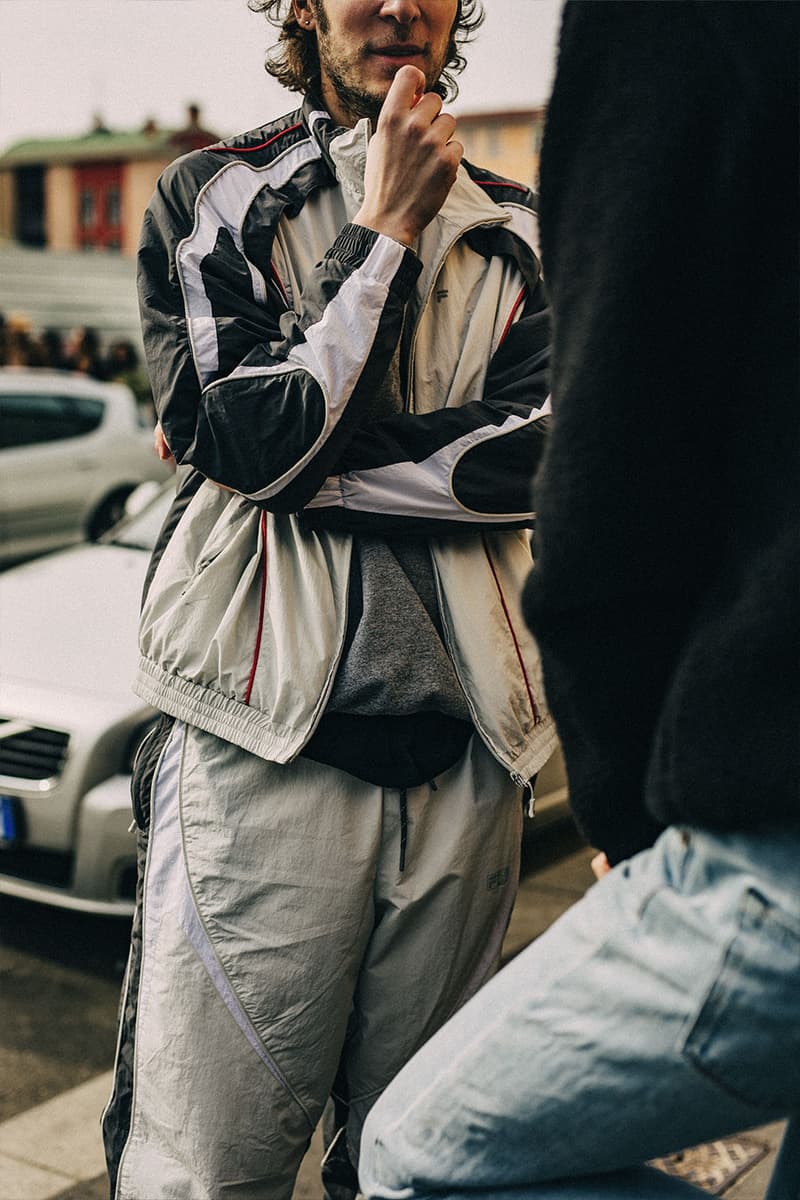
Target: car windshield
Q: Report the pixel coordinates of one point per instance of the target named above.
(140, 532)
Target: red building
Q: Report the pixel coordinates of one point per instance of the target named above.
(89, 192)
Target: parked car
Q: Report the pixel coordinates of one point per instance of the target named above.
(71, 452)
(70, 725)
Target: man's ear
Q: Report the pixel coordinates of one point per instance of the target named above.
(303, 14)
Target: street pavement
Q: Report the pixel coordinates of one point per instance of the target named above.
(49, 1139)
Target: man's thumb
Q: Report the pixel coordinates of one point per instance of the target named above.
(408, 86)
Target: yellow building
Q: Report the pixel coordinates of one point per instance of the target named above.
(89, 192)
(507, 143)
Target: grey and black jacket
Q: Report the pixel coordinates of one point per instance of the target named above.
(270, 324)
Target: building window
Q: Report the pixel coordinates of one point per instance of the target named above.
(30, 205)
(87, 209)
(112, 205)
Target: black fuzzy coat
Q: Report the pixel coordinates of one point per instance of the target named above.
(666, 596)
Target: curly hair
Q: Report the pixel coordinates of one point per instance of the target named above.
(294, 61)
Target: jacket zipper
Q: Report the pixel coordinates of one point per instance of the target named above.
(516, 778)
(322, 703)
(527, 786)
(519, 780)
(410, 405)
(534, 709)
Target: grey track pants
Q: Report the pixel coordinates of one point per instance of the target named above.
(294, 920)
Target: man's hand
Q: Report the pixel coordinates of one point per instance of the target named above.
(600, 865)
(411, 161)
(160, 445)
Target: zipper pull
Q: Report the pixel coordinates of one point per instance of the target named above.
(527, 786)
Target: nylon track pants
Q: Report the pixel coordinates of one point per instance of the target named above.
(294, 920)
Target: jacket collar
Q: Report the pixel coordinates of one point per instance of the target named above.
(321, 126)
(345, 152)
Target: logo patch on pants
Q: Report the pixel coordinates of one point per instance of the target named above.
(497, 879)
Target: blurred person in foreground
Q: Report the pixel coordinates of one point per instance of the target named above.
(663, 1010)
(348, 343)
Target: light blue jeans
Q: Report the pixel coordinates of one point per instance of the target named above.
(661, 1011)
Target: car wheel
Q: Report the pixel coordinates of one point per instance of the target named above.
(110, 510)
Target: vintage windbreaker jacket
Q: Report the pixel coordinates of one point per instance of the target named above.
(269, 323)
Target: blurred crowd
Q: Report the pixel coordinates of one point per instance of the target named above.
(81, 350)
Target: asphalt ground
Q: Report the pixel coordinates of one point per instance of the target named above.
(60, 975)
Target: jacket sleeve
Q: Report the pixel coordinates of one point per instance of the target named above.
(457, 468)
(257, 399)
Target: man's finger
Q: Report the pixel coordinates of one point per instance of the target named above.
(428, 107)
(408, 86)
(600, 865)
(445, 127)
(160, 444)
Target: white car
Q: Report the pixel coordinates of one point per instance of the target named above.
(70, 724)
(71, 451)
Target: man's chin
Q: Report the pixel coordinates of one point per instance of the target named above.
(385, 70)
(367, 100)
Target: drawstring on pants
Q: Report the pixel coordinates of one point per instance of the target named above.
(403, 827)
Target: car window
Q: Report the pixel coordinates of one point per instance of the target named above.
(28, 420)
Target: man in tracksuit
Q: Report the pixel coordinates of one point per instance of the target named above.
(347, 338)
(663, 1009)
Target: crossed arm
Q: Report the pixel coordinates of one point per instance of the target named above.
(283, 420)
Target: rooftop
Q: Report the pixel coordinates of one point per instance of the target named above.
(102, 144)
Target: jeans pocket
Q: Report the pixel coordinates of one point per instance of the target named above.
(746, 1037)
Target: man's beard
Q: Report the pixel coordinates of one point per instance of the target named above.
(356, 101)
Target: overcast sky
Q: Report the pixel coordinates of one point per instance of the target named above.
(62, 60)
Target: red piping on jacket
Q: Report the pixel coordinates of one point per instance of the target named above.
(261, 603)
(491, 183)
(520, 660)
(261, 146)
(279, 284)
(511, 315)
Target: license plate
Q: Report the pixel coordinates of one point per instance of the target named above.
(10, 822)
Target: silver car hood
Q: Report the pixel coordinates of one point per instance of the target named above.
(68, 623)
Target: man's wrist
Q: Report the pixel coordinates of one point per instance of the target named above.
(389, 227)
(354, 244)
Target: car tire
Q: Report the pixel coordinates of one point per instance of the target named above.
(110, 510)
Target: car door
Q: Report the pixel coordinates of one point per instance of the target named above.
(47, 468)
